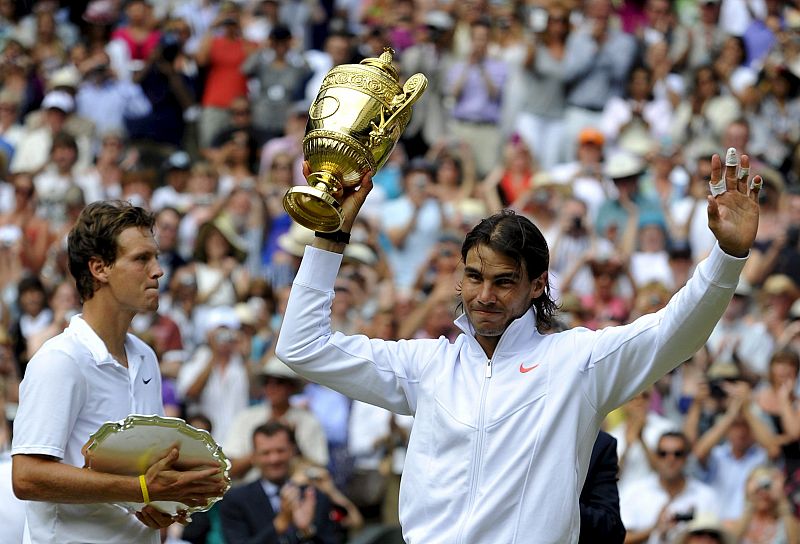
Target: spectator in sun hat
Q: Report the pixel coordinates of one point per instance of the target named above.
(279, 383)
(285, 260)
(705, 528)
(219, 253)
(624, 169)
(779, 292)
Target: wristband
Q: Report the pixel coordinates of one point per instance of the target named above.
(339, 236)
(143, 485)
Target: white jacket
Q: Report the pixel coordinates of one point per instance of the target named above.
(499, 448)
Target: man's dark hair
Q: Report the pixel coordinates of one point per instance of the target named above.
(64, 139)
(518, 238)
(273, 428)
(30, 283)
(676, 434)
(95, 234)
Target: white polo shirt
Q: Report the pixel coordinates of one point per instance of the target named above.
(72, 386)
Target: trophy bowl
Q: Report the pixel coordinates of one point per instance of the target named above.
(130, 446)
(353, 125)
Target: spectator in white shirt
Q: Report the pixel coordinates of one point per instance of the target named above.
(656, 509)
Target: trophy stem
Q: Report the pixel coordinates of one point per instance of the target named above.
(326, 182)
(315, 206)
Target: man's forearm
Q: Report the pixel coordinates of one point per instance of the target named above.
(37, 478)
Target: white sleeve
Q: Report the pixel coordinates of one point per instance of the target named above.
(50, 398)
(625, 359)
(374, 371)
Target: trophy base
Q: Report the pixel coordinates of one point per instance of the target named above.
(313, 208)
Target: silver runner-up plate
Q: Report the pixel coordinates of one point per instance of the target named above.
(129, 447)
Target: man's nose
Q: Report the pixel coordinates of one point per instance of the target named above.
(486, 294)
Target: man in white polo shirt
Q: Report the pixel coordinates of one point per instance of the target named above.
(92, 373)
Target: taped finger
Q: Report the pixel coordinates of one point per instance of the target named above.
(756, 186)
(731, 159)
(718, 187)
(743, 173)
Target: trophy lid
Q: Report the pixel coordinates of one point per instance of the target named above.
(384, 62)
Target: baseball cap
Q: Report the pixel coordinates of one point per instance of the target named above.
(591, 136)
(58, 100)
(179, 160)
(439, 20)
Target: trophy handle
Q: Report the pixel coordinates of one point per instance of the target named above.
(412, 90)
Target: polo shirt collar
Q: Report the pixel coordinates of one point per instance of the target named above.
(89, 338)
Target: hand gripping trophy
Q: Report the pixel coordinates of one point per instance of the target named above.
(353, 125)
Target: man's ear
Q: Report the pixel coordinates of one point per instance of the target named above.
(538, 285)
(99, 269)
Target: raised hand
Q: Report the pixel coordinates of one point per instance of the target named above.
(733, 212)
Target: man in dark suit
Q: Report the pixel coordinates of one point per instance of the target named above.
(273, 510)
(599, 501)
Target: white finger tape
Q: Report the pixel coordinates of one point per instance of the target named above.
(730, 157)
(717, 188)
(754, 185)
(743, 173)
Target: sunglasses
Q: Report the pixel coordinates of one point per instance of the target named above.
(678, 454)
(706, 533)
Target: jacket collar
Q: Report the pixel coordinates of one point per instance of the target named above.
(519, 335)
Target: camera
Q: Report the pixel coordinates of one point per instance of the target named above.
(683, 516)
(170, 46)
(224, 336)
(716, 389)
(764, 483)
(314, 473)
(793, 236)
(10, 235)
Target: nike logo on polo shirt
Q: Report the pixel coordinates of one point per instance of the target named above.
(524, 369)
(147, 380)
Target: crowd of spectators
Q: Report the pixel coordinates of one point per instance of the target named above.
(596, 118)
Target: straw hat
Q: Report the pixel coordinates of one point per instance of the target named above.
(224, 225)
(275, 368)
(294, 241)
(781, 284)
(705, 522)
(624, 165)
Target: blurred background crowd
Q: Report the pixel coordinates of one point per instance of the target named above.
(597, 119)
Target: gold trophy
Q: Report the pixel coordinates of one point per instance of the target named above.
(353, 125)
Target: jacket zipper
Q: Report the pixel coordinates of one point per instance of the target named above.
(476, 458)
